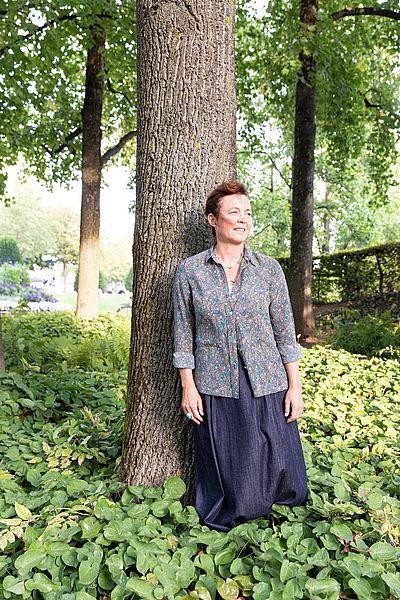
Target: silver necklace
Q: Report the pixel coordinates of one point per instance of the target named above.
(232, 265)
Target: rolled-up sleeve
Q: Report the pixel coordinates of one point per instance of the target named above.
(183, 356)
(281, 315)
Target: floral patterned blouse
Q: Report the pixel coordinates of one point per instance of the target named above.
(211, 324)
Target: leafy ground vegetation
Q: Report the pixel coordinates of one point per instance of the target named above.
(70, 530)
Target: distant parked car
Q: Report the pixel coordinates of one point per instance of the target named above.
(116, 287)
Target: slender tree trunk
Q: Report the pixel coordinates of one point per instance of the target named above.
(64, 276)
(186, 145)
(300, 266)
(88, 279)
(327, 219)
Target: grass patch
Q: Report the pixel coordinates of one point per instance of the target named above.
(107, 302)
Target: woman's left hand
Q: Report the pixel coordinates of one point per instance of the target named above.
(294, 404)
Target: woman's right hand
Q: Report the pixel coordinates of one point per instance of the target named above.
(192, 403)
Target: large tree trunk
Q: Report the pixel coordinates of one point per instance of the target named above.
(300, 266)
(89, 249)
(186, 145)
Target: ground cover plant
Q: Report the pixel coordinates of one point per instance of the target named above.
(70, 530)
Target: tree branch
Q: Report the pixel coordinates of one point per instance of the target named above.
(272, 161)
(366, 10)
(68, 139)
(114, 91)
(115, 149)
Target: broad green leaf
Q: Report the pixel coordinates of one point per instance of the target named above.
(174, 487)
(142, 588)
(224, 557)
(343, 531)
(261, 591)
(239, 567)
(375, 500)
(82, 595)
(13, 585)
(361, 587)
(229, 589)
(383, 551)
(41, 582)
(322, 586)
(91, 527)
(341, 492)
(393, 581)
(88, 571)
(22, 511)
(30, 559)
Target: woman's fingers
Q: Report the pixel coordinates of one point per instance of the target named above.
(297, 410)
(192, 404)
(294, 406)
(196, 416)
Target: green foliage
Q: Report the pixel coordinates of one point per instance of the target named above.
(35, 225)
(350, 274)
(102, 281)
(13, 277)
(44, 342)
(69, 529)
(357, 84)
(372, 335)
(9, 251)
(44, 99)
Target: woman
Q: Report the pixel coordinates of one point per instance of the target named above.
(236, 350)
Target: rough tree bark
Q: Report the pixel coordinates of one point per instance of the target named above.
(186, 145)
(300, 264)
(89, 247)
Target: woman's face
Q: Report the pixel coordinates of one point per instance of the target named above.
(234, 221)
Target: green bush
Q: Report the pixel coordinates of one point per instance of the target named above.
(50, 341)
(9, 251)
(70, 530)
(373, 335)
(14, 279)
(354, 273)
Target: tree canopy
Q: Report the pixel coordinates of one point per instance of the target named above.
(42, 71)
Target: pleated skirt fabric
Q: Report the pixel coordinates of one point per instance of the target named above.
(246, 457)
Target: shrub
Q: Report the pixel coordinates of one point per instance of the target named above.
(13, 278)
(49, 341)
(372, 335)
(9, 251)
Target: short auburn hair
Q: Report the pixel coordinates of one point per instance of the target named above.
(226, 188)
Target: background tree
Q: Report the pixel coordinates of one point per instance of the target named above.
(193, 123)
(354, 67)
(26, 219)
(65, 239)
(58, 112)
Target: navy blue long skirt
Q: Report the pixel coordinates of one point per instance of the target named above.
(246, 457)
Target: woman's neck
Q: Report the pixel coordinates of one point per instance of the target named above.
(228, 253)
